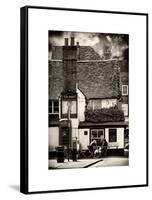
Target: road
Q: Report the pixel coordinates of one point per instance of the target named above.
(112, 161)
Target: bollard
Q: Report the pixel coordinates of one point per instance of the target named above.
(60, 154)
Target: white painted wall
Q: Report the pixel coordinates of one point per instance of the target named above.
(53, 137)
(74, 124)
(107, 134)
(120, 138)
(125, 109)
(84, 139)
(81, 105)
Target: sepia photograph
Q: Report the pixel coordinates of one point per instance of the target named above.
(88, 99)
(84, 99)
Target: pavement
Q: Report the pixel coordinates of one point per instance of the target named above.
(113, 161)
(91, 162)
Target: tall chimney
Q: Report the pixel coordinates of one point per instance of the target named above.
(66, 41)
(72, 41)
(69, 67)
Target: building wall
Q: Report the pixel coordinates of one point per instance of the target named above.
(53, 138)
(120, 138)
(74, 125)
(81, 105)
(83, 138)
(125, 109)
(124, 100)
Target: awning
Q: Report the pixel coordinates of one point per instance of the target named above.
(105, 124)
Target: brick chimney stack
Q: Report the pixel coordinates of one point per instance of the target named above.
(72, 41)
(69, 65)
(66, 42)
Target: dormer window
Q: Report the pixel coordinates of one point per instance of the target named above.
(96, 104)
(124, 90)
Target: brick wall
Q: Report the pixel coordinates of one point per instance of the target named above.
(69, 68)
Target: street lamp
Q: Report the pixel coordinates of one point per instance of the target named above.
(69, 125)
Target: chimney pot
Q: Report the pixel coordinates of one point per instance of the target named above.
(66, 41)
(72, 41)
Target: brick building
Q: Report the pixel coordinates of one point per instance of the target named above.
(88, 97)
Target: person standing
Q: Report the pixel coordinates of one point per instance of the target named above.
(93, 147)
(103, 150)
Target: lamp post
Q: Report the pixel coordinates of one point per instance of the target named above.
(69, 133)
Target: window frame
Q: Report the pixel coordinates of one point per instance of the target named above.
(96, 129)
(110, 133)
(123, 93)
(72, 115)
(52, 102)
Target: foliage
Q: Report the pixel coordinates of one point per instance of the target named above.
(112, 114)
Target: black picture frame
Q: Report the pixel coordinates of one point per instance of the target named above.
(24, 87)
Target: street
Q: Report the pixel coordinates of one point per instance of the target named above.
(112, 161)
(92, 162)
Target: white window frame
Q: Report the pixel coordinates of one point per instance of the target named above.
(53, 107)
(124, 94)
(71, 104)
(96, 138)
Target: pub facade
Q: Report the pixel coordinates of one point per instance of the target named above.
(88, 98)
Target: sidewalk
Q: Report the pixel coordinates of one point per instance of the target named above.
(80, 163)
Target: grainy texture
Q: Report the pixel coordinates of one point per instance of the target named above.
(95, 79)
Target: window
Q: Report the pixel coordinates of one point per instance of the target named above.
(95, 104)
(101, 103)
(69, 105)
(126, 136)
(53, 106)
(112, 135)
(85, 132)
(124, 89)
(97, 134)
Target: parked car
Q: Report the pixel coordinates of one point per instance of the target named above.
(126, 150)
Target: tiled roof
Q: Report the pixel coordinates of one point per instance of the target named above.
(124, 66)
(85, 53)
(95, 79)
(55, 79)
(88, 53)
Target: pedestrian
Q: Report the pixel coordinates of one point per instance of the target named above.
(103, 149)
(93, 147)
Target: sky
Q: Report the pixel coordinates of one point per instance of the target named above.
(117, 43)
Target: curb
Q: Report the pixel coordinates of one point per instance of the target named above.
(86, 166)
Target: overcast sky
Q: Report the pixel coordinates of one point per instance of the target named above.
(117, 43)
